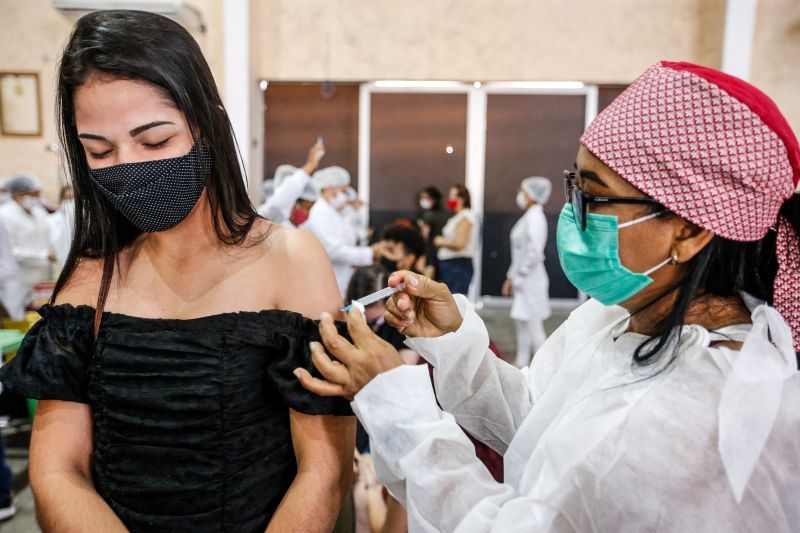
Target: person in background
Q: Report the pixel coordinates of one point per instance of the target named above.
(355, 211)
(8, 265)
(527, 279)
(267, 189)
(303, 206)
(404, 249)
(25, 220)
(7, 507)
(431, 219)
(457, 243)
(328, 224)
(289, 184)
(5, 196)
(8, 269)
(61, 225)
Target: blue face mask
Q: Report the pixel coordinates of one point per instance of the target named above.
(590, 258)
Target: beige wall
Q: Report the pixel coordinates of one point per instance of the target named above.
(776, 56)
(32, 35)
(591, 40)
(588, 40)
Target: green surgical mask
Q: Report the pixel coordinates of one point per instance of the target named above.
(590, 258)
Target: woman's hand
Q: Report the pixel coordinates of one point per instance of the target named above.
(358, 363)
(439, 241)
(424, 308)
(508, 288)
(425, 229)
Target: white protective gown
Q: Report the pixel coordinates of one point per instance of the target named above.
(29, 235)
(591, 442)
(278, 207)
(8, 265)
(339, 240)
(527, 272)
(61, 230)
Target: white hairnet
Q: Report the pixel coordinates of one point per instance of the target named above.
(22, 183)
(309, 194)
(330, 177)
(267, 189)
(538, 188)
(283, 172)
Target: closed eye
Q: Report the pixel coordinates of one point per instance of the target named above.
(100, 155)
(156, 146)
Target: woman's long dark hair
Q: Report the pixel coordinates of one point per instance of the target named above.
(135, 45)
(723, 268)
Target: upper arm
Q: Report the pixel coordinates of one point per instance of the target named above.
(463, 231)
(61, 440)
(307, 283)
(323, 444)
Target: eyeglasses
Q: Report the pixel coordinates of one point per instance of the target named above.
(580, 200)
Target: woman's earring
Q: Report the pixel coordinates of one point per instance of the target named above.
(674, 259)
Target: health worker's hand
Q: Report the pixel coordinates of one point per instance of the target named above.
(424, 308)
(357, 363)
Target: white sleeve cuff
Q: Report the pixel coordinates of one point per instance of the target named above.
(471, 335)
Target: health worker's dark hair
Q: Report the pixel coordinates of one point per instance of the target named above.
(724, 268)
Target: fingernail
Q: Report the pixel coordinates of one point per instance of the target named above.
(413, 281)
(312, 345)
(296, 373)
(324, 316)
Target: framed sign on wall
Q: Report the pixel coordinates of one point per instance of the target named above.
(20, 104)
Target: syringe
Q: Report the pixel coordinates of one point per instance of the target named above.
(375, 296)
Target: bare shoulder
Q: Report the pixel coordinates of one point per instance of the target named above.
(304, 272)
(294, 247)
(83, 285)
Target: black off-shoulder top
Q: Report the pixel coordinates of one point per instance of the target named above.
(190, 417)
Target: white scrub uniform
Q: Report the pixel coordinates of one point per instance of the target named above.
(278, 207)
(8, 265)
(339, 240)
(531, 298)
(29, 235)
(590, 441)
(355, 221)
(61, 230)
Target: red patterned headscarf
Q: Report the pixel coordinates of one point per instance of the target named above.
(713, 149)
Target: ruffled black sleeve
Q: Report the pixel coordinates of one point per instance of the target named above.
(53, 360)
(291, 337)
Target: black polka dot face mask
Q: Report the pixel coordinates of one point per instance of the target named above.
(156, 195)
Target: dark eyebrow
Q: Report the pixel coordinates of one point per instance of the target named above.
(92, 136)
(136, 131)
(133, 133)
(592, 176)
